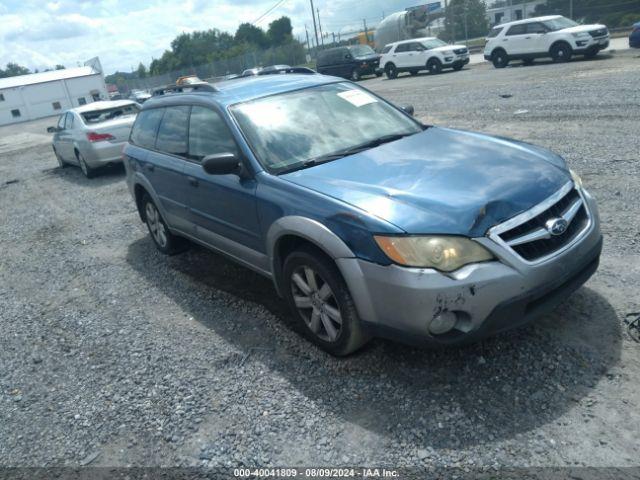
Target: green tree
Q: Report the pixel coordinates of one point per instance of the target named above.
(13, 70)
(141, 72)
(280, 31)
(248, 33)
(465, 19)
(60, 67)
(611, 12)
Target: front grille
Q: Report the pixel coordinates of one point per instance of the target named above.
(531, 239)
(601, 32)
(460, 51)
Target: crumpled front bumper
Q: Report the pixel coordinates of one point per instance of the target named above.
(487, 298)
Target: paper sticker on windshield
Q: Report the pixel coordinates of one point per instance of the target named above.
(357, 97)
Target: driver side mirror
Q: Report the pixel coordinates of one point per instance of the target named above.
(408, 109)
(52, 129)
(221, 164)
(348, 56)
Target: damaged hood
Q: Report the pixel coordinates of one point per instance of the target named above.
(441, 181)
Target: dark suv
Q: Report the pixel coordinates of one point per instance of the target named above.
(349, 62)
(367, 221)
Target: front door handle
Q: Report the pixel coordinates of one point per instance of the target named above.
(192, 181)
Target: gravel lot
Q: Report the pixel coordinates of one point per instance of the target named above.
(112, 354)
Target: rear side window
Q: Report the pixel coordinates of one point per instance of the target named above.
(494, 32)
(172, 134)
(518, 29)
(387, 48)
(536, 27)
(208, 134)
(144, 130)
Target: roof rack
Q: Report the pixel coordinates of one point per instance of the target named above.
(193, 87)
(287, 70)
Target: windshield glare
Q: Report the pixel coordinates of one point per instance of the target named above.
(435, 43)
(288, 129)
(559, 23)
(361, 50)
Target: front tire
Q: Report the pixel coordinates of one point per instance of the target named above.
(391, 71)
(434, 66)
(165, 241)
(499, 59)
(321, 302)
(561, 52)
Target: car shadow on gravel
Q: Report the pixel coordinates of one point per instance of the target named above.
(103, 176)
(448, 398)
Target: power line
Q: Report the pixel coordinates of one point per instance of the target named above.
(277, 4)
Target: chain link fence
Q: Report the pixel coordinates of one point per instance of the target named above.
(291, 54)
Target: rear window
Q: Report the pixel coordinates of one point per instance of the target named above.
(98, 116)
(494, 32)
(172, 134)
(387, 48)
(144, 130)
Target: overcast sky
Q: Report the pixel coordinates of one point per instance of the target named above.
(40, 34)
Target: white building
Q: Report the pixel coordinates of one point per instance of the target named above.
(39, 95)
(501, 11)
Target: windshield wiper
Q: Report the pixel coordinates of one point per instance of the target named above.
(376, 142)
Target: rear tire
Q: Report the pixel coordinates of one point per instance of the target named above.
(84, 166)
(391, 71)
(499, 58)
(561, 52)
(321, 302)
(165, 241)
(434, 66)
(355, 75)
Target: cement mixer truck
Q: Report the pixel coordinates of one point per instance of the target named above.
(413, 22)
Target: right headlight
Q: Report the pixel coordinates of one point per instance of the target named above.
(443, 253)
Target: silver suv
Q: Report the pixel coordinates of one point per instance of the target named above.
(553, 36)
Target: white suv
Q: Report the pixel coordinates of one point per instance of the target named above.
(553, 36)
(426, 53)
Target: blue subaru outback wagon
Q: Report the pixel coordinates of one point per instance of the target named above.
(368, 222)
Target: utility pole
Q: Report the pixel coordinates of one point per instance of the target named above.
(307, 33)
(466, 32)
(571, 9)
(320, 27)
(315, 29)
(366, 32)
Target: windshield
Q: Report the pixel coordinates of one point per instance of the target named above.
(361, 50)
(289, 129)
(435, 43)
(559, 23)
(98, 116)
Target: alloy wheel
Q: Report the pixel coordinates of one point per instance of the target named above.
(156, 226)
(316, 303)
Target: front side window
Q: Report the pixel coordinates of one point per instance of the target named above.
(288, 130)
(208, 134)
(144, 130)
(559, 23)
(172, 134)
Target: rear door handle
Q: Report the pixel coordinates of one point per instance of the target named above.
(193, 181)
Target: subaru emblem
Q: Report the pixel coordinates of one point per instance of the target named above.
(556, 226)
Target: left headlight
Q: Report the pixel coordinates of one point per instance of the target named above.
(442, 253)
